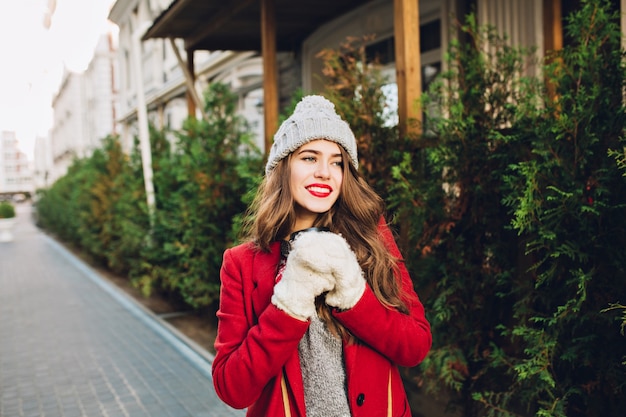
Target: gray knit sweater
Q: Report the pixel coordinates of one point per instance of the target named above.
(323, 372)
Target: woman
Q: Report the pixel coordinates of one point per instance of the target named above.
(317, 309)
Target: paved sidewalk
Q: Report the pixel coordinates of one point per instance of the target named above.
(71, 344)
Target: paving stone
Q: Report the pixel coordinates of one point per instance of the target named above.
(73, 345)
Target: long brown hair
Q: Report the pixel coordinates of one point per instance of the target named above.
(355, 215)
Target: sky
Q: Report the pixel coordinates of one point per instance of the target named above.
(34, 56)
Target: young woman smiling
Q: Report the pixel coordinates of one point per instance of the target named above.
(316, 178)
(317, 309)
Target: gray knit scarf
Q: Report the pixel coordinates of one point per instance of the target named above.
(323, 373)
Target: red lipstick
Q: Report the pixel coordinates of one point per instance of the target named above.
(319, 190)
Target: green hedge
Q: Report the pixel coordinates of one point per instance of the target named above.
(7, 210)
(201, 177)
(517, 224)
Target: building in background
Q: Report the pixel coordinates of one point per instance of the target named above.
(101, 80)
(84, 111)
(161, 66)
(42, 163)
(15, 173)
(68, 129)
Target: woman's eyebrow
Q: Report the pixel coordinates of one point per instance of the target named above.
(316, 152)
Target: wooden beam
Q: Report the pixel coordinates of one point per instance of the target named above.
(193, 100)
(270, 71)
(161, 24)
(408, 66)
(217, 21)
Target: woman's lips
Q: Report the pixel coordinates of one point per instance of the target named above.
(319, 190)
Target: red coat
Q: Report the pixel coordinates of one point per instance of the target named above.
(256, 340)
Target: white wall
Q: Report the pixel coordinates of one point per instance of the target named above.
(15, 171)
(84, 109)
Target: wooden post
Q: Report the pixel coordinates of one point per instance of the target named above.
(408, 66)
(552, 26)
(270, 71)
(552, 34)
(191, 84)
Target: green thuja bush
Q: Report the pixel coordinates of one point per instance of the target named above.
(201, 182)
(200, 185)
(569, 204)
(126, 232)
(7, 210)
(462, 253)
(62, 209)
(97, 207)
(114, 226)
(620, 159)
(518, 221)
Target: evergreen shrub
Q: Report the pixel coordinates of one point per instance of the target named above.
(200, 180)
(201, 184)
(7, 210)
(517, 224)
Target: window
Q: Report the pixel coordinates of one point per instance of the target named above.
(384, 52)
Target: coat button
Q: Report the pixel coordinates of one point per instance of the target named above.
(360, 399)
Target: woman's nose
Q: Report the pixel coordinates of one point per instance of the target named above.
(322, 171)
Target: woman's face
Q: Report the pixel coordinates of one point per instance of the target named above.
(315, 181)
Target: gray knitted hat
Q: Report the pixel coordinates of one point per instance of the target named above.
(314, 118)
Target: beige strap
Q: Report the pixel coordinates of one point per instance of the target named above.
(389, 397)
(283, 388)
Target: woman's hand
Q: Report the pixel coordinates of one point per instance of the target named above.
(349, 280)
(328, 253)
(304, 278)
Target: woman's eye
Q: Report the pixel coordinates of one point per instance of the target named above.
(338, 163)
(308, 158)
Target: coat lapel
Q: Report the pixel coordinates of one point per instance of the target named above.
(264, 269)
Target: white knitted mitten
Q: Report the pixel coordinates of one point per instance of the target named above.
(349, 280)
(303, 279)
